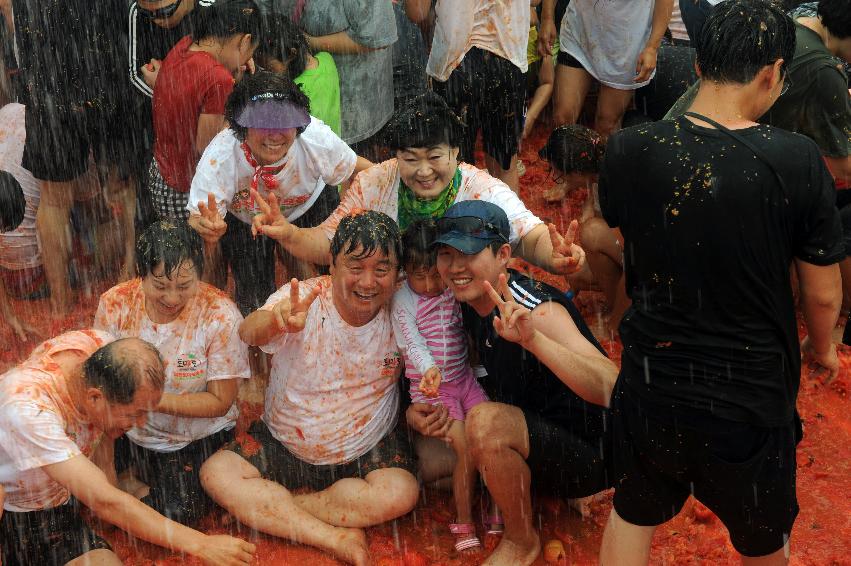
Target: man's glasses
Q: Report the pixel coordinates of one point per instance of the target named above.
(162, 13)
(469, 225)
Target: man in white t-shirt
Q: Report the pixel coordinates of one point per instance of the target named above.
(330, 421)
(195, 328)
(58, 411)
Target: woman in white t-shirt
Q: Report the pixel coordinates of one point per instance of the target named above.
(272, 146)
(614, 42)
(422, 181)
(195, 328)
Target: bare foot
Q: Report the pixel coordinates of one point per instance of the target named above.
(515, 553)
(582, 505)
(350, 546)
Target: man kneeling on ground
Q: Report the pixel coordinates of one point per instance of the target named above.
(330, 421)
(59, 411)
(548, 379)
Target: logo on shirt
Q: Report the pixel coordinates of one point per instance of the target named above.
(390, 364)
(188, 367)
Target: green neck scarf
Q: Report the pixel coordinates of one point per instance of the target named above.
(411, 207)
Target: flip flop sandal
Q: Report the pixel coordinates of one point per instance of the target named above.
(466, 538)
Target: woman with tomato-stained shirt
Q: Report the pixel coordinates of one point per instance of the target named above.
(194, 326)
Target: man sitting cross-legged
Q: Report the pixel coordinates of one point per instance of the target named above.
(548, 379)
(330, 421)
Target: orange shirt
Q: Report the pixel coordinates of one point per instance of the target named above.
(39, 424)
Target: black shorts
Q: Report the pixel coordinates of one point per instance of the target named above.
(176, 490)
(488, 93)
(252, 263)
(50, 536)
(843, 203)
(59, 139)
(276, 463)
(744, 473)
(565, 58)
(321, 209)
(565, 464)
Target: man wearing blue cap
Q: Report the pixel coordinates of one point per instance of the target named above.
(548, 378)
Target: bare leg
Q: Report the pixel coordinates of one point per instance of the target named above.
(124, 195)
(611, 107)
(625, 544)
(232, 482)
(546, 78)
(845, 269)
(100, 557)
(605, 257)
(53, 223)
(464, 475)
(571, 88)
(498, 442)
(353, 502)
(508, 176)
(778, 558)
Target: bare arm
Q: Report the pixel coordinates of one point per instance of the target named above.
(840, 168)
(563, 258)
(550, 334)
(559, 345)
(287, 316)
(85, 481)
(661, 17)
(216, 401)
(339, 42)
(208, 126)
(821, 298)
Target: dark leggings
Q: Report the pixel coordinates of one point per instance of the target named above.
(252, 262)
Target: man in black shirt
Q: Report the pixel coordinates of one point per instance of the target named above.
(713, 213)
(548, 378)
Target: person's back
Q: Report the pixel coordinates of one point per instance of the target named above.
(712, 235)
(714, 211)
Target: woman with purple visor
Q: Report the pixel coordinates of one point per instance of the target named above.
(274, 147)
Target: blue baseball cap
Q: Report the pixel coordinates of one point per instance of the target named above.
(470, 225)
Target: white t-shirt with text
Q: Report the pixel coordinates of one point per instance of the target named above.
(333, 389)
(201, 345)
(317, 157)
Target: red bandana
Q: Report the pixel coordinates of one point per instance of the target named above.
(261, 171)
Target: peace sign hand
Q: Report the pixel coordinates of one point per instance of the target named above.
(211, 226)
(514, 322)
(291, 314)
(568, 257)
(270, 222)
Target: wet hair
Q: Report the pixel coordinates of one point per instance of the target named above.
(417, 252)
(226, 18)
(369, 230)
(282, 40)
(425, 121)
(740, 37)
(170, 244)
(836, 17)
(262, 82)
(12, 202)
(574, 148)
(119, 370)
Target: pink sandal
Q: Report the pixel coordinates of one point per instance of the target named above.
(466, 538)
(494, 523)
